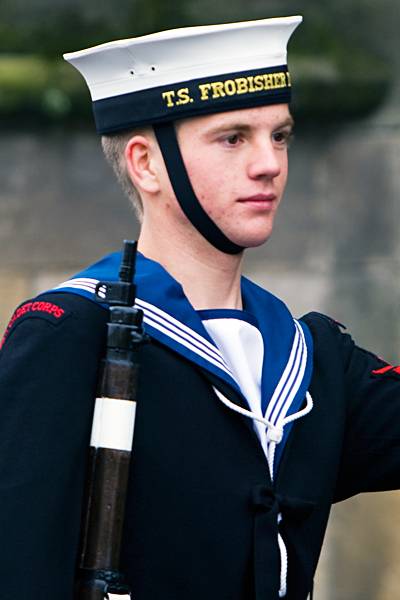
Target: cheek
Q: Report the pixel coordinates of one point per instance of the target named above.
(285, 167)
(214, 188)
(281, 179)
(204, 177)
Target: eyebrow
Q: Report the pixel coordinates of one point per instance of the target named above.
(289, 122)
(238, 126)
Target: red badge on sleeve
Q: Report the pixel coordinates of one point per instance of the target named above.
(38, 308)
(388, 370)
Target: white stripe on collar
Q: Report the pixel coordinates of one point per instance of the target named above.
(81, 283)
(291, 379)
(165, 323)
(182, 330)
(190, 346)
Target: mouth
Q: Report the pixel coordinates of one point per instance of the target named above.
(260, 200)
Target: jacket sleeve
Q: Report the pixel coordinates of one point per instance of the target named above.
(370, 456)
(48, 371)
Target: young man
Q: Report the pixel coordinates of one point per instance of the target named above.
(250, 423)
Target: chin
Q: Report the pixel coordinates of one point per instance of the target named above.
(255, 243)
(252, 240)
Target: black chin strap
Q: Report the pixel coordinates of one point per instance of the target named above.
(166, 137)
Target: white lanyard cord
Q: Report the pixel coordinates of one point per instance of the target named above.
(274, 437)
(275, 431)
(272, 443)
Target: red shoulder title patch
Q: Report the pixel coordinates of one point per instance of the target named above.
(34, 309)
(388, 370)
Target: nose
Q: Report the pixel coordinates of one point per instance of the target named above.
(265, 161)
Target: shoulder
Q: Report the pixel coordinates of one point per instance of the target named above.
(332, 341)
(319, 322)
(328, 334)
(53, 342)
(63, 314)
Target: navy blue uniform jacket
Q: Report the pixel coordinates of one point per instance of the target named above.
(200, 498)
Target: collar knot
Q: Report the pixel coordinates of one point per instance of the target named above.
(265, 499)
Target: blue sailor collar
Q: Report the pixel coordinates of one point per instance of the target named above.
(170, 319)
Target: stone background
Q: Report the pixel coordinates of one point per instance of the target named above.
(335, 249)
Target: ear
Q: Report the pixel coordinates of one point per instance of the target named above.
(140, 161)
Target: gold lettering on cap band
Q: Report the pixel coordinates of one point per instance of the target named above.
(168, 97)
(228, 87)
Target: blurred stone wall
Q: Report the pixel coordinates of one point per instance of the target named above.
(59, 208)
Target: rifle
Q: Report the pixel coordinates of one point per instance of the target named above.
(99, 577)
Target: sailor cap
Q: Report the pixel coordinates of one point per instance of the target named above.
(186, 72)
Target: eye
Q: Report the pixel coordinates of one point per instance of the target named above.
(283, 137)
(232, 140)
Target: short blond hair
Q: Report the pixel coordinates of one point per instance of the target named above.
(114, 145)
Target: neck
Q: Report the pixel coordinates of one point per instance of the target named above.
(210, 278)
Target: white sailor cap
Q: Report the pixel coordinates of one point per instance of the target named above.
(187, 72)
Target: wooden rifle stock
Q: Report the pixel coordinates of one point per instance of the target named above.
(98, 576)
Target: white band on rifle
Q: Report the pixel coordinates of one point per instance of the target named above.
(113, 423)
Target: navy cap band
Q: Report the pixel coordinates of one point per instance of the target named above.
(220, 93)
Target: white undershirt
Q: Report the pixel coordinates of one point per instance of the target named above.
(242, 346)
